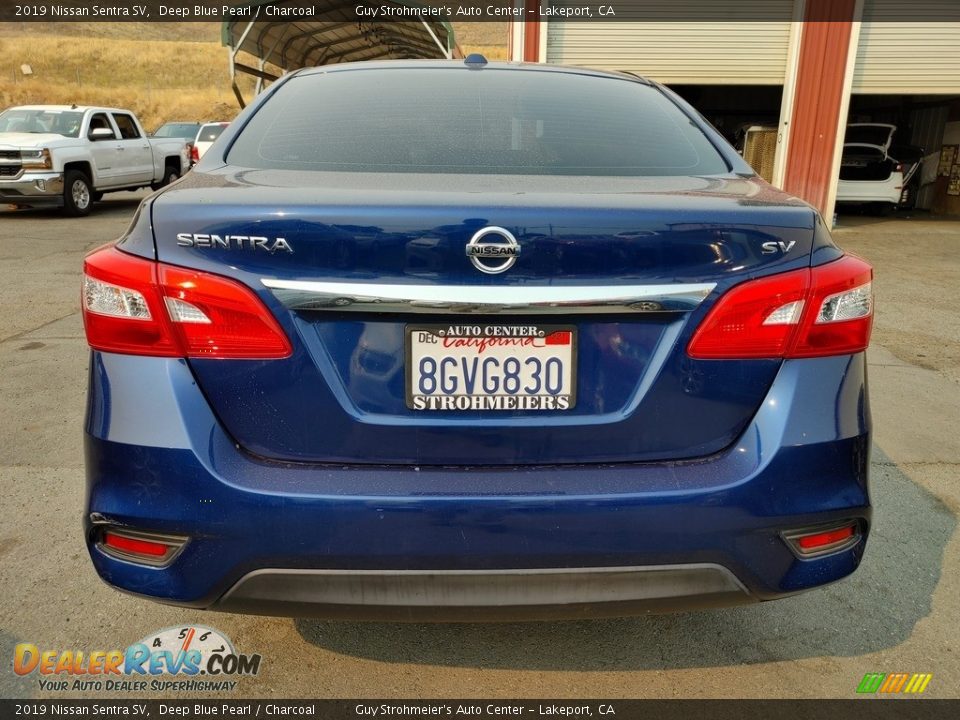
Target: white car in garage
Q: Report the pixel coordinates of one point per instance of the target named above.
(873, 171)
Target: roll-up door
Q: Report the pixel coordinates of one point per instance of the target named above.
(909, 48)
(696, 42)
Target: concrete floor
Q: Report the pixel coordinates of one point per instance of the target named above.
(897, 613)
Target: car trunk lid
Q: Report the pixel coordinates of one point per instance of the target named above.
(623, 269)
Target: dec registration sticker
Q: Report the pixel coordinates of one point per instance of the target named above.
(491, 367)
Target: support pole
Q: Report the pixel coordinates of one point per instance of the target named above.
(443, 48)
(824, 75)
(234, 51)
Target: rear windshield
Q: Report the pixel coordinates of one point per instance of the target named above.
(209, 133)
(451, 120)
(178, 130)
(60, 122)
(868, 134)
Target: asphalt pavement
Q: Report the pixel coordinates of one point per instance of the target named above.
(898, 613)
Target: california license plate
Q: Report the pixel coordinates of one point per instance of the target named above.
(491, 367)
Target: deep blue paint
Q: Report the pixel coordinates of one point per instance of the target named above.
(664, 460)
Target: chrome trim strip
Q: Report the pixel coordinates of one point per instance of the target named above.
(506, 300)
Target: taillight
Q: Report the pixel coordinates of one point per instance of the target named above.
(218, 317)
(140, 307)
(814, 312)
(840, 314)
(194, 153)
(122, 310)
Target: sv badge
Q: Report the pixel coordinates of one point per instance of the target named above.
(775, 246)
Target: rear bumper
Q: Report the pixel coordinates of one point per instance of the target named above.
(470, 595)
(472, 543)
(33, 189)
(870, 191)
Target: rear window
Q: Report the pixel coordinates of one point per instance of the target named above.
(435, 120)
(868, 134)
(64, 123)
(178, 130)
(209, 133)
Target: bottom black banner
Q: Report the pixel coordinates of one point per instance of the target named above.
(874, 708)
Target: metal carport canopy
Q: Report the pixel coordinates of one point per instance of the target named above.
(336, 31)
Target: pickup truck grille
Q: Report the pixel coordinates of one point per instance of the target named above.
(10, 163)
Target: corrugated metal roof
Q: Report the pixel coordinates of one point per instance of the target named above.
(332, 34)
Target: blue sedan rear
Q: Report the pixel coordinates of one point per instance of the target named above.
(460, 341)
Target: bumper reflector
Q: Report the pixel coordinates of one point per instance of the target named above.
(823, 540)
(141, 547)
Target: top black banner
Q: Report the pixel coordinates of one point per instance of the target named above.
(367, 11)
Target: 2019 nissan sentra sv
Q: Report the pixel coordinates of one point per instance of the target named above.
(457, 340)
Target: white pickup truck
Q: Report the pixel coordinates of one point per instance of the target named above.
(69, 156)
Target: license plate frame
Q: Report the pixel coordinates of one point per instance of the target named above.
(532, 333)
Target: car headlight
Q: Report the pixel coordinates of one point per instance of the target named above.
(36, 159)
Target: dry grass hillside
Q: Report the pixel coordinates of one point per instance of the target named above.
(188, 32)
(162, 71)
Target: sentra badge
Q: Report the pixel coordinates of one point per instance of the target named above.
(234, 242)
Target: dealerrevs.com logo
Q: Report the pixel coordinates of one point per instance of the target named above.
(193, 658)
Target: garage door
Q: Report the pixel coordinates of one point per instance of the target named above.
(697, 42)
(909, 48)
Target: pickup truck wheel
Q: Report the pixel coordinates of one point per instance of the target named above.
(170, 174)
(77, 195)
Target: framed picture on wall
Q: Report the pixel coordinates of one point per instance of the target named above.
(953, 187)
(948, 154)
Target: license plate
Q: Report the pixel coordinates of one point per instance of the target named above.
(510, 368)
